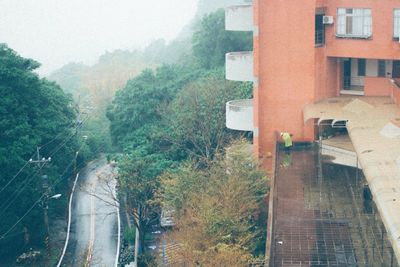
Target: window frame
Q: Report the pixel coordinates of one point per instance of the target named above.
(381, 68)
(396, 21)
(348, 20)
(319, 38)
(361, 67)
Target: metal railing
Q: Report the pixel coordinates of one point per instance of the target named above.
(349, 81)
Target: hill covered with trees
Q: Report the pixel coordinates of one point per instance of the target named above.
(169, 122)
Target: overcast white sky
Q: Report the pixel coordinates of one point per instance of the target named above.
(55, 32)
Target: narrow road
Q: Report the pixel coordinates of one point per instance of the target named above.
(94, 230)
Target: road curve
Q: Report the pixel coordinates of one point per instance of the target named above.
(94, 230)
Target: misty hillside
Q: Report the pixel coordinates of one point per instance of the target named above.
(208, 6)
(98, 83)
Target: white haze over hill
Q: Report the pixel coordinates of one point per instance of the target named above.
(55, 32)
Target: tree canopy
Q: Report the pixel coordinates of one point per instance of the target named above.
(33, 113)
(211, 41)
(175, 114)
(218, 209)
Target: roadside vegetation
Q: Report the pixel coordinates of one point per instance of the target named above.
(34, 113)
(169, 125)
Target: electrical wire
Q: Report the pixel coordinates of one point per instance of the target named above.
(37, 201)
(57, 136)
(42, 146)
(22, 187)
(16, 175)
(6, 234)
(18, 192)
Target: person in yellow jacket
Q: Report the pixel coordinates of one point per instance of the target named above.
(287, 139)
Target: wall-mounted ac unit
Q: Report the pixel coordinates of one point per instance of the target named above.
(327, 20)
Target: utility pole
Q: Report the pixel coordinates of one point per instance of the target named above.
(45, 185)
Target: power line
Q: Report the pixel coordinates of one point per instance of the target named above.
(26, 213)
(18, 192)
(5, 235)
(15, 176)
(37, 201)
(42, 146)
(54, 184)
(22, 187)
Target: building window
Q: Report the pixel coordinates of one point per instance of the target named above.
(319, 30)
(354, 22)
(361, 67)
(381, 68)
(396, 23)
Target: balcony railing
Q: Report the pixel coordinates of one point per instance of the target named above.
(239, 66)
(239, 18)
(239, 115)
(350, 82)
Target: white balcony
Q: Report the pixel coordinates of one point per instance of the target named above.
(239, 115)
(239, 18)
(239, 66)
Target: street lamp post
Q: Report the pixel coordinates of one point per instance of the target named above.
(46, 216)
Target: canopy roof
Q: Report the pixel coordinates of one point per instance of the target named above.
(373, 124)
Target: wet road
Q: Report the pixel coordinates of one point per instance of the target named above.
(94, 227)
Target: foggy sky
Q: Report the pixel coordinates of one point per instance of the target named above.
(55, 32)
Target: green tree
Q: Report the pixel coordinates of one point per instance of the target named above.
(33, 112)
(135, 118)
(136, 110)
(138, 182)
(218, 208)
(195, 119)
(211, 41)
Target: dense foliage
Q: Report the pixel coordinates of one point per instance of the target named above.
(172, 114)
(195, 119)
(211, 42)
(33, 113)
(218, 209)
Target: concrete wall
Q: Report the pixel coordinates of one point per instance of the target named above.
(286, 68)
(326, 80)
(239, 115)
(239, 18)
(239, 66)
(377, 86)
(395, 93)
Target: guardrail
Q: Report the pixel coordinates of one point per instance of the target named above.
(69, 221)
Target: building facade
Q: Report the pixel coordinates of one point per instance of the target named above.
(324, 52)
(305, 51)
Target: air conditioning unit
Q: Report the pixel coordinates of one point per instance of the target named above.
(327, 20)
